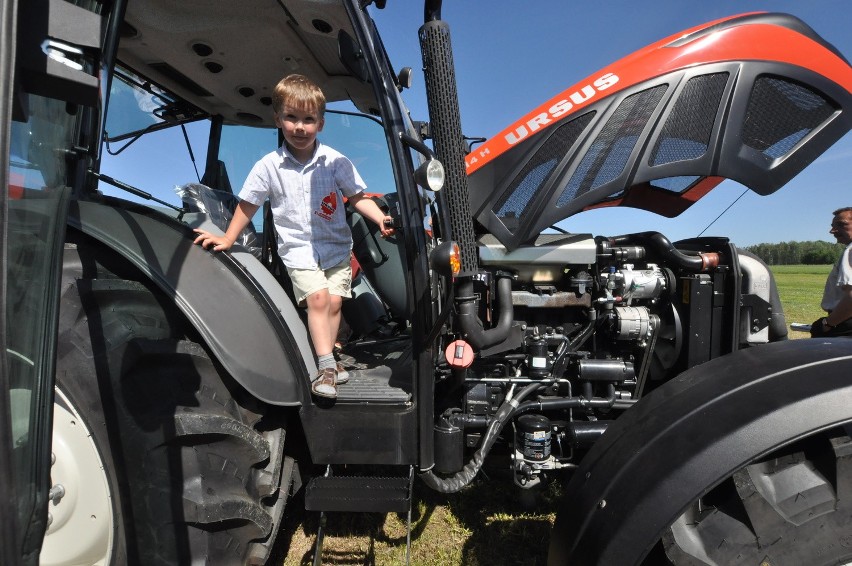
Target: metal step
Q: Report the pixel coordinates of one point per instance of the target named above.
(362, 494)
(372, 386)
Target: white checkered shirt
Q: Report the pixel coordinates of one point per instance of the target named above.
(307, 204)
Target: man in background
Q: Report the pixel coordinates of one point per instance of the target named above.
(837, 297)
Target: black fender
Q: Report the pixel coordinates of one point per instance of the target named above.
(691, 433)
(239, 309)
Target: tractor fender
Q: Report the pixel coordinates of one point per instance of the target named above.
(688, 435)
(237, 306)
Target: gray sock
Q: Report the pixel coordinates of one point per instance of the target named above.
(326, 362)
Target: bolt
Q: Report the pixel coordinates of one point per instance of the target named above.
(56, 493)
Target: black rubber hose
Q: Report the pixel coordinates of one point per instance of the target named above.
(466, 474)
(469, 321)
(662, 245)
(556, 403)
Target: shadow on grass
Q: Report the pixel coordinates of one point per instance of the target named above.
(507, 525)
(370, 530)
(491, 521)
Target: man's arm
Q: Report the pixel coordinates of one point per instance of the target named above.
(369, 209)
(843, 310)
(242, 216)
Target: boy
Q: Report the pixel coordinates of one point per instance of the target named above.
(305, 182)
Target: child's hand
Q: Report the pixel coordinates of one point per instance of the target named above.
(386, 227)
(206, 239)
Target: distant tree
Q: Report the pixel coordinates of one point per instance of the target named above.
(816, 252)
(819, 257)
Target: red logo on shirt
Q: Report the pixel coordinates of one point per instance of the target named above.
(328, 206)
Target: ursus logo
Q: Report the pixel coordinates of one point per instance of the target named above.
(328, 206)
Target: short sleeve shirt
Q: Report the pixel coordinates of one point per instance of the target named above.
(841, 275)
(307, 204)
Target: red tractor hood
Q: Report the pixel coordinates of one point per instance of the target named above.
(754, 98)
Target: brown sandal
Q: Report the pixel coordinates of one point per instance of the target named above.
(342, 374)
(325, 383)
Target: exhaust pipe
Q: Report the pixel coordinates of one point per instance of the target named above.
(445, 126)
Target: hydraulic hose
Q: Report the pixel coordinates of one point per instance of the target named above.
(466, 474)
(659, 243)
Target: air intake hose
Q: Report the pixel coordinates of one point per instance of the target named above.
(662, 246)
(468, 317)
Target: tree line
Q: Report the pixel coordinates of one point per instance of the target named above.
(816, 252)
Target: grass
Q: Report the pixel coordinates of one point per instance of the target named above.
(800, 288)
(491, 521)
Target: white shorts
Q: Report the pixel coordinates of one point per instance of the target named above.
(337, 279)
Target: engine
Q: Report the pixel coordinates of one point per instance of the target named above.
(553, 341)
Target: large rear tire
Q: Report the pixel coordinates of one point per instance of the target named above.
(194, 467)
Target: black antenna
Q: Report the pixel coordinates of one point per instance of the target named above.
(723, 212)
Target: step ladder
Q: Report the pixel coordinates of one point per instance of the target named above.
(359, 494)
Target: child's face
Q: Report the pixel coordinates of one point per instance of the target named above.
(300, 127)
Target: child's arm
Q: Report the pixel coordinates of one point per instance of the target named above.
(242, 216)
(368, 208)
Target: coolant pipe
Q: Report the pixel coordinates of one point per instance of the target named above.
(586, 433)
(463, 420)
(468, 317)
(557, 403)
(466, 474)
(701, 262)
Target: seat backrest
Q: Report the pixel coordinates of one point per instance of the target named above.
(383, 260)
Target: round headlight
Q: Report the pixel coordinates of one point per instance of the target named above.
(430, 175)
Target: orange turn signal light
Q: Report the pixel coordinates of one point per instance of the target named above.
(445, 259)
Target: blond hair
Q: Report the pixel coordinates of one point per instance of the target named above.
(299, 92)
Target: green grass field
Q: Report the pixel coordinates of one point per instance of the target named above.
(491, 521)
(800, 288)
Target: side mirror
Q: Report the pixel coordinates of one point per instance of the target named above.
(404, 78)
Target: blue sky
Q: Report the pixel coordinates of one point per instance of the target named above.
(511, 56)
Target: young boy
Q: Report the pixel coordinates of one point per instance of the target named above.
(305, 182)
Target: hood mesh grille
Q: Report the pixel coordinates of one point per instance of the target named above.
(781, 113)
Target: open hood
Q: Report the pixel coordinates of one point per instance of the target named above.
(754, 98)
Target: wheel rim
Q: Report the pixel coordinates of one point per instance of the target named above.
(81, 522)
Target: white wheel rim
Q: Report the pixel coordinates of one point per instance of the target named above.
(82, 523)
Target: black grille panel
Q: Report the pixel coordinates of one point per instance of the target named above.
(607, 156)
(526, 185)
(686, 133)
(780, 113)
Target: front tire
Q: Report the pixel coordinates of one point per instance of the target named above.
(793, 508)
(195, 466)
(753, 446)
